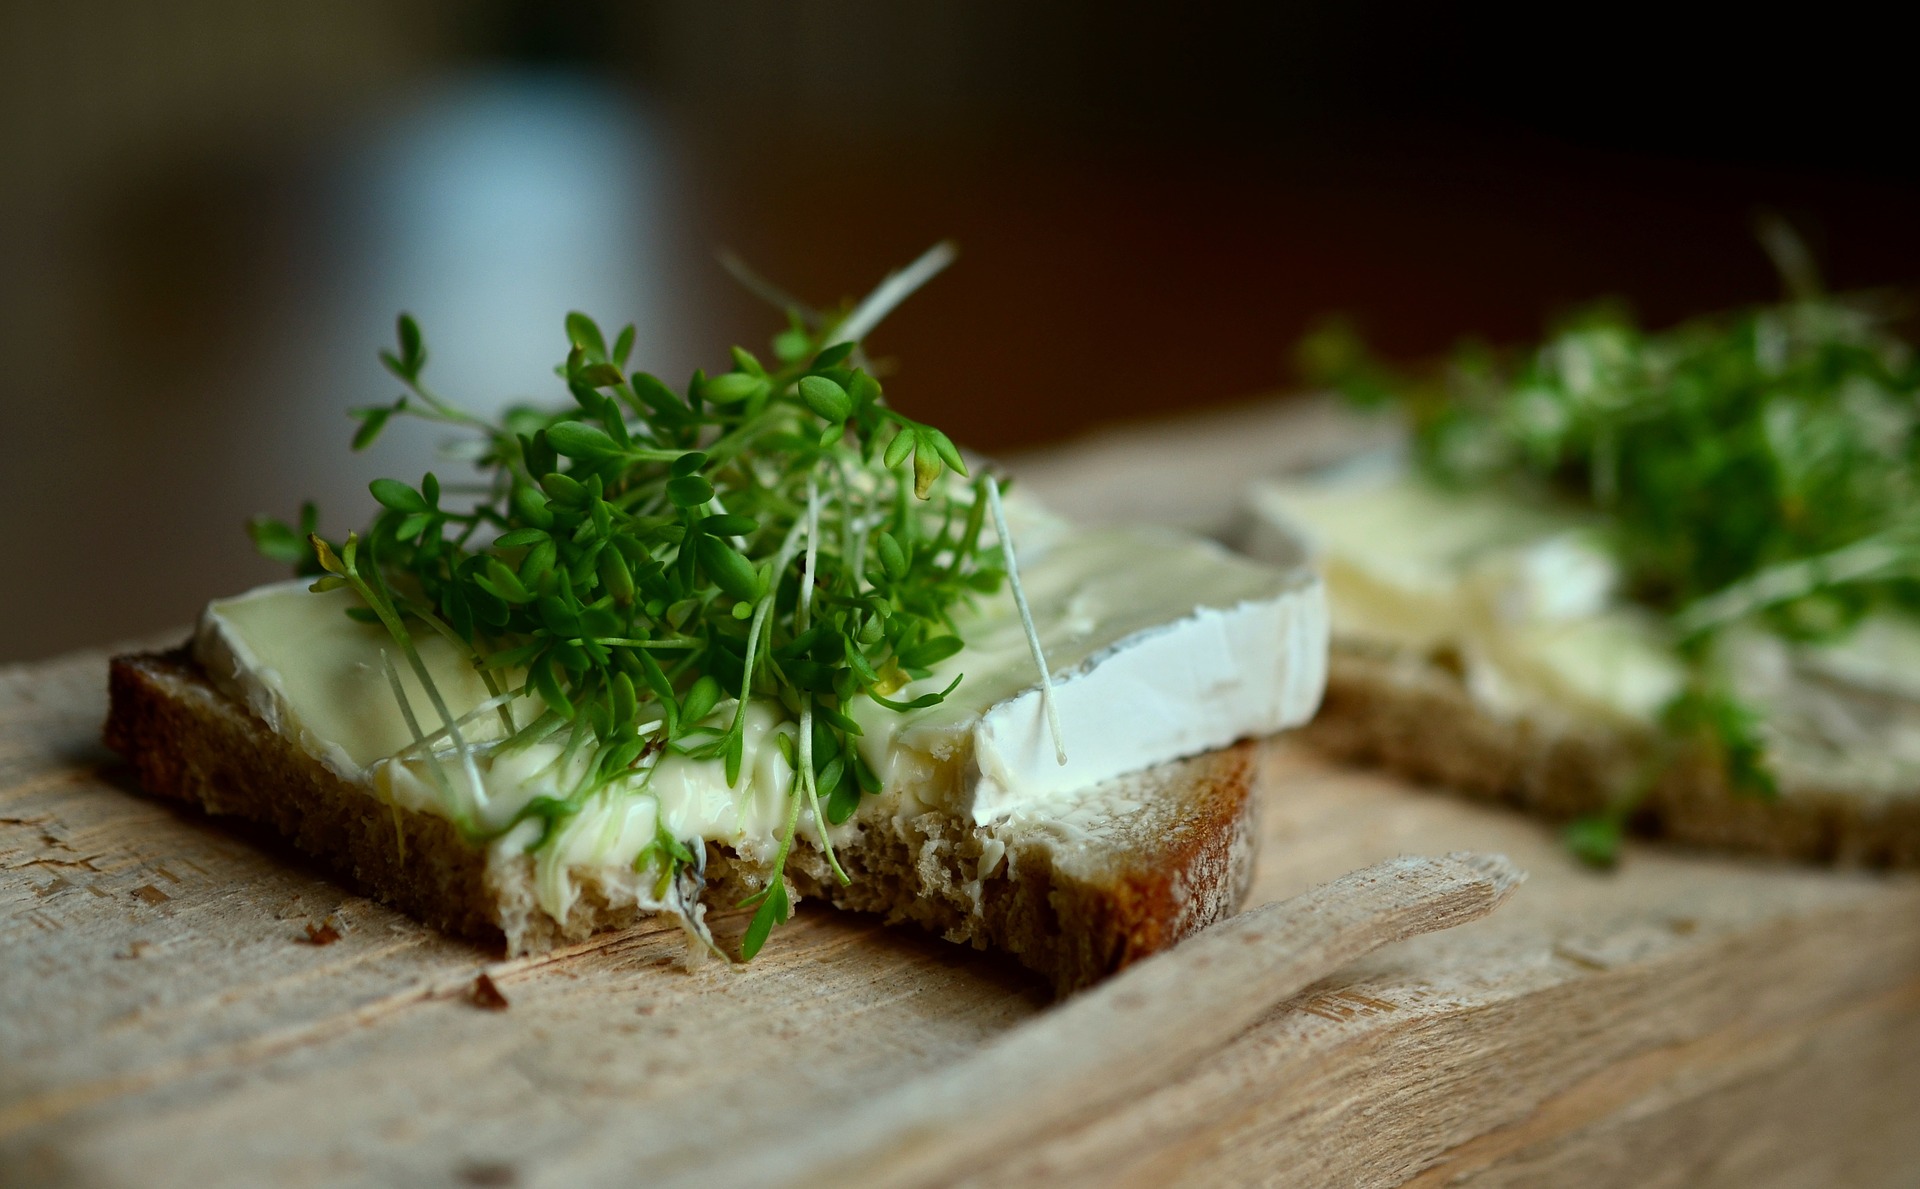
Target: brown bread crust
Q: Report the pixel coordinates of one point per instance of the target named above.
(1075, 899)
(187, 741)
(1417, 718)
(1125, 876)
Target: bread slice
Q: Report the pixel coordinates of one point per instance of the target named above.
(1414, 714)
(1409, 688)
(1115, 873)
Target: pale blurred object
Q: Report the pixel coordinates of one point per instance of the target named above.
(492, 205)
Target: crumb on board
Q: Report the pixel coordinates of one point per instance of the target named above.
(486, 994)
(489, 1172)
(324, 933)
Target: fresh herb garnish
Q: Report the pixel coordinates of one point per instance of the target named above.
(774, 531)
(1760, 467)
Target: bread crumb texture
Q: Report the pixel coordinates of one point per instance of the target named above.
(1106, 877)
(1417, 718)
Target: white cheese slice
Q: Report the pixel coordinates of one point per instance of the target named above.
(1162, 646)
(1523, 596)
(320, 679)
(1524, 599)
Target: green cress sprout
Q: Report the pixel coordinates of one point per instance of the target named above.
(775, 530)
(1758, 468)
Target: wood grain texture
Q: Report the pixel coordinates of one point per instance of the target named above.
(1137, 1031)
(1690, 1020)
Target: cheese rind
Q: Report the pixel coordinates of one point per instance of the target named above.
(1162, 646)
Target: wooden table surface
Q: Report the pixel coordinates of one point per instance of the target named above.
(165, 1017)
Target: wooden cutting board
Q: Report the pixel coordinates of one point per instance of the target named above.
(170, 1014)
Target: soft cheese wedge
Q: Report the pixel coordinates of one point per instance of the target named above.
(1162, 646)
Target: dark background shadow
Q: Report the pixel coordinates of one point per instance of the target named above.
(210, 212)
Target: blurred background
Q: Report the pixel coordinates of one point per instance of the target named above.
(210, 211)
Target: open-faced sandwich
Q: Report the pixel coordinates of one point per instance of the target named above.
(757, 638)
(1665, 579)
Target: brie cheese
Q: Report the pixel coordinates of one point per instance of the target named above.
(1162, 646)
(1521, 596)
(1526, 601)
